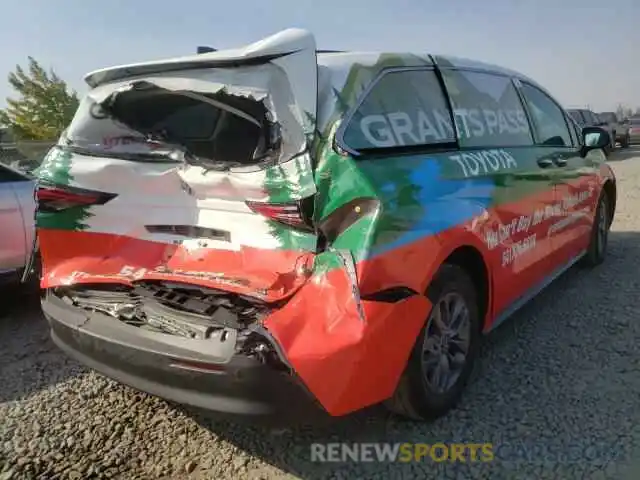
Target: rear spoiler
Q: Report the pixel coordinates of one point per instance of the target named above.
(263, 51)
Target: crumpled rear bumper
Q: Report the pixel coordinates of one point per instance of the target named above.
(177, 369)
(345, 351)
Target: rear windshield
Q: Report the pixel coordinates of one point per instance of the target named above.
(147, 122)
(634, 121)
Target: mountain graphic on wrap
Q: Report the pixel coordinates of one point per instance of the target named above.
(56, 169)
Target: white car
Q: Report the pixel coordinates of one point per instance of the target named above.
(17, 214)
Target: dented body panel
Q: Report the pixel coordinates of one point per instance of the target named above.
(307, 255)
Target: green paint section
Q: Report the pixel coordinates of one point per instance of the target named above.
(285, 183)
(289, 181)
(326, 261)
(56, 169)
(69, 219)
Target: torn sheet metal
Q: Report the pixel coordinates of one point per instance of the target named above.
(100, 242)
(349, 265)
(270, 275)
(347, 357)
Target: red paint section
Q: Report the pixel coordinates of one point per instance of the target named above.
(87, 257)
(415, 264)
(574, 237)
(347, 363)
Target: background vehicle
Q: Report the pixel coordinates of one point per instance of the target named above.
(228, 229)
(588, 118)
(17, 210)
(616, 127)
(634, 129)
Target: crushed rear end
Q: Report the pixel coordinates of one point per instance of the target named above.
(179, 249)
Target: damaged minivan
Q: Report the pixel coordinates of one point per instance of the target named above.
(279, 229)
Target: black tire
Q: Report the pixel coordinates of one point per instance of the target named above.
(597, 250)
(413, 397)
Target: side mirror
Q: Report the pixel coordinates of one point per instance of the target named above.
(594, 137)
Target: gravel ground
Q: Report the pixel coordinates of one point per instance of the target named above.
(557, 392)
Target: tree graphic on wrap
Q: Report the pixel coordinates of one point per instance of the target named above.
(342, 179)
(56, 169)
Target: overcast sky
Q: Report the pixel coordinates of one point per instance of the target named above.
(586, 52)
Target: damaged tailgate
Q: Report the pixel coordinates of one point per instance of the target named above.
(195, 169)
(180, 199)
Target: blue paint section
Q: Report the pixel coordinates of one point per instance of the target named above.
(436, 204)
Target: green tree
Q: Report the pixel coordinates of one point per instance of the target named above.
(44, 107)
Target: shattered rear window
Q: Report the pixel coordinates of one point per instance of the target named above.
(147, 121)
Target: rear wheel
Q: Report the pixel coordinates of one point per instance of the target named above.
(597, 249)
(442, 358)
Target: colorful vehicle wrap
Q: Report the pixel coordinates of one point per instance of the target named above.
(376, 169)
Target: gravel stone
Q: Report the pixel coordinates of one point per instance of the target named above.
(557, 391)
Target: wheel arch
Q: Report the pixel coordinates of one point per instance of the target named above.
(471, 259)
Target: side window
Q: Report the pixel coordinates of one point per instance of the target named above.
(589, 117)
(549, 122)
(403, 109)
(576, 117)
(586, 119)
(572, 132)
(487, 110)
(576, 132)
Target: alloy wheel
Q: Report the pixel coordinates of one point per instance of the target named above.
(446, 343)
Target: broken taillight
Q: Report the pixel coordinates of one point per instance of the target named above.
(290, 213)
(55, 198)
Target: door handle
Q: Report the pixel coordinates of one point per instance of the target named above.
(545, 162)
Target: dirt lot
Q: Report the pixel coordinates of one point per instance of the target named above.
(557, 392)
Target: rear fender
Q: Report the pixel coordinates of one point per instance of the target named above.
(348, 351)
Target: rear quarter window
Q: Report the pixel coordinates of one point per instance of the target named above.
(402, 109)
(487, 109)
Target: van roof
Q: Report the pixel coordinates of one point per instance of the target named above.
(281, 44)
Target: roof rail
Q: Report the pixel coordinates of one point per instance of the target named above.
(330, 51)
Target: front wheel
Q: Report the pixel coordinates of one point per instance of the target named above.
(597, 250)
(442, 358)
